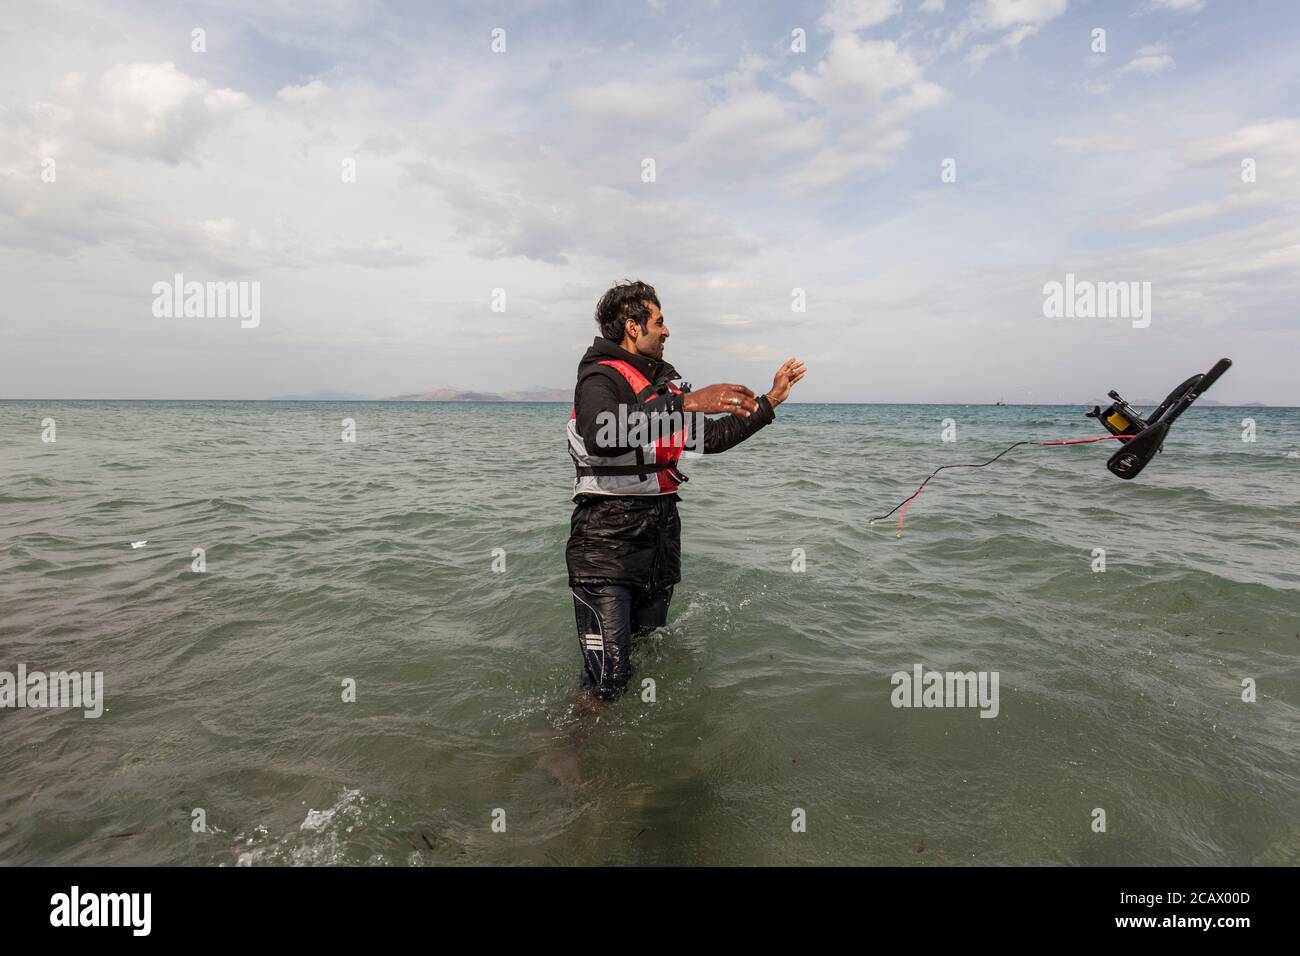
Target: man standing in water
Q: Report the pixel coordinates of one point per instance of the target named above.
(624, 551)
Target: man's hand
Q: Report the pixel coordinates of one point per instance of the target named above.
(786, 376)
(721, 398)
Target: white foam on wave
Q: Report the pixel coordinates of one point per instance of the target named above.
(320, 846)
(318, 820)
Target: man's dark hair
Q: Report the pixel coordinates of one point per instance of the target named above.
(627, 300)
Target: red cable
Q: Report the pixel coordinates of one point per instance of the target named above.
(1080, 441)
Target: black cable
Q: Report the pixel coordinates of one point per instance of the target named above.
(941, 468)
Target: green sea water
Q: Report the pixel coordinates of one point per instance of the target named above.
(370, 563)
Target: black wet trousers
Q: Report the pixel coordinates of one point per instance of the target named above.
(609, 616)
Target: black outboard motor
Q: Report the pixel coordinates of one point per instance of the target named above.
(1147, 436)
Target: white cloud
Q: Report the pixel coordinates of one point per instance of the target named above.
(1149, 61)
(1184, 216)
(305, 94)
(768, 130)
(1272, 146)
(199, 214)
(1000, 14)
(848, 15)
(869, 90)
(551, 222)
(1178, 6)
(638, 104)
(857, 73)
(1016, 20)
(1017, 36)
(978, 55)
(746, 125)
(1278, 140)
(153, 110)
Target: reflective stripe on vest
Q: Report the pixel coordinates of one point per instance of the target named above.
(647, 470)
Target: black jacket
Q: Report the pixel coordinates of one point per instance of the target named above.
(634, 539)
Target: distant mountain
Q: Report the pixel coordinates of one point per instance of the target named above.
(462, 395)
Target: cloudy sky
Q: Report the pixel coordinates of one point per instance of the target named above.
(127, 156)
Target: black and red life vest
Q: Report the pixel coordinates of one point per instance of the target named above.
(649, 469)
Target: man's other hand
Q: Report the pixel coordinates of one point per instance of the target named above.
(786, 376)
(735, 399)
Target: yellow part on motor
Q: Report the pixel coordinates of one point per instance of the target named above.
(1117, 421)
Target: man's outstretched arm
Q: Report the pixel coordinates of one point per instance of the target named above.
(597, 400)
(721, 434)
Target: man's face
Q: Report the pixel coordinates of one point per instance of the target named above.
(650, 342)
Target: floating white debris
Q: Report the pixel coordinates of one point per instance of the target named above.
(139, 544)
